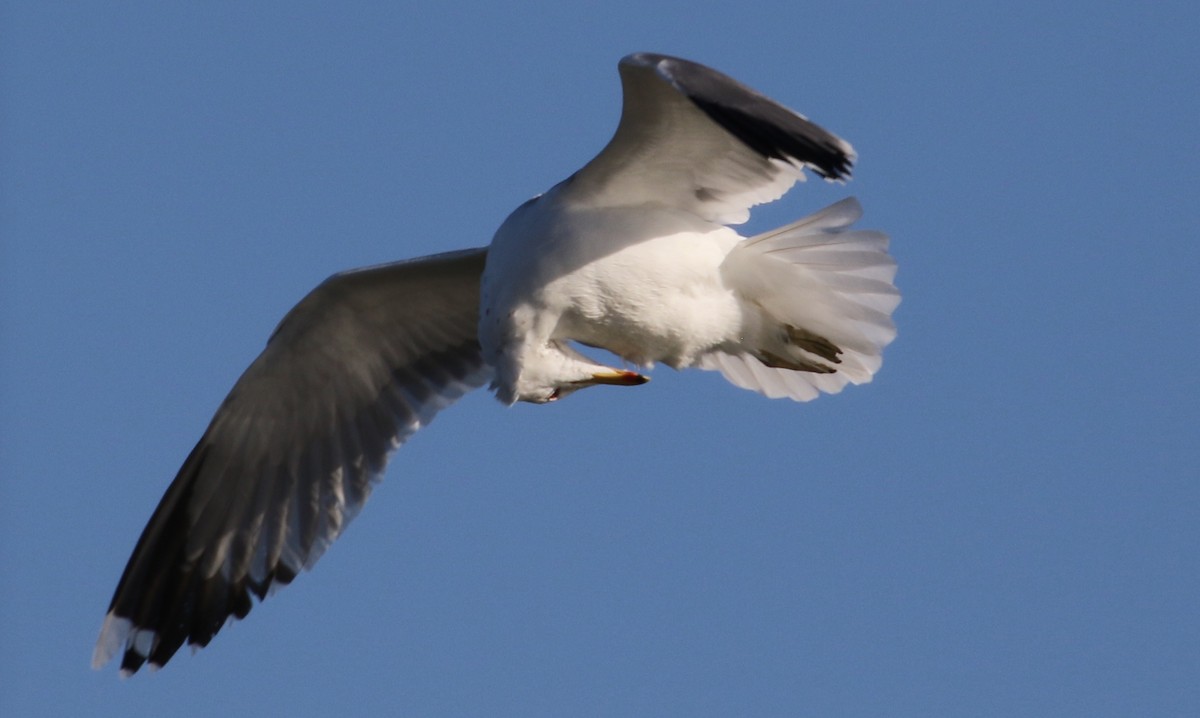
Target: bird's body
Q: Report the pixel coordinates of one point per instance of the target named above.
(645, 286)
(632, 254)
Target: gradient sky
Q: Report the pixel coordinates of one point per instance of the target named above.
(1006, 522)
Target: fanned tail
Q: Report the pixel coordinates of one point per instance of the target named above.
(819, 298)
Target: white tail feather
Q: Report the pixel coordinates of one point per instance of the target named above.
(819, 276)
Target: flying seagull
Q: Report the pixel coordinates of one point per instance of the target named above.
(633, 254)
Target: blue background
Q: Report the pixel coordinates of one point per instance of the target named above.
(1005, 523)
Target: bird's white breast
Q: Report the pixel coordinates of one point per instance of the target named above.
(643, 282)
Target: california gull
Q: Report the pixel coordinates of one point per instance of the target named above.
(633, 254)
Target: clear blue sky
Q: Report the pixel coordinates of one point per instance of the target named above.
(1006, 522)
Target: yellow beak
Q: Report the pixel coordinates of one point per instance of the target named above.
(617, 377)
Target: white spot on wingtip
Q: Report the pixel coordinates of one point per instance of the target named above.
(113, 633)
(142, 641)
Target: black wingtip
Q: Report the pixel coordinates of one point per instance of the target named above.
(162, 593)
(763, 125)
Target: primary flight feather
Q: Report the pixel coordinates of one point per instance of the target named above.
(633, 254)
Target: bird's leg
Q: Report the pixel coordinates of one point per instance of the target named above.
(808, 341)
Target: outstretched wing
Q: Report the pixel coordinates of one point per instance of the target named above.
(695, 139)
(362, 362)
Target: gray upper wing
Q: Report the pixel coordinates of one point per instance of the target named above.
(695, 139)
(362, 362)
